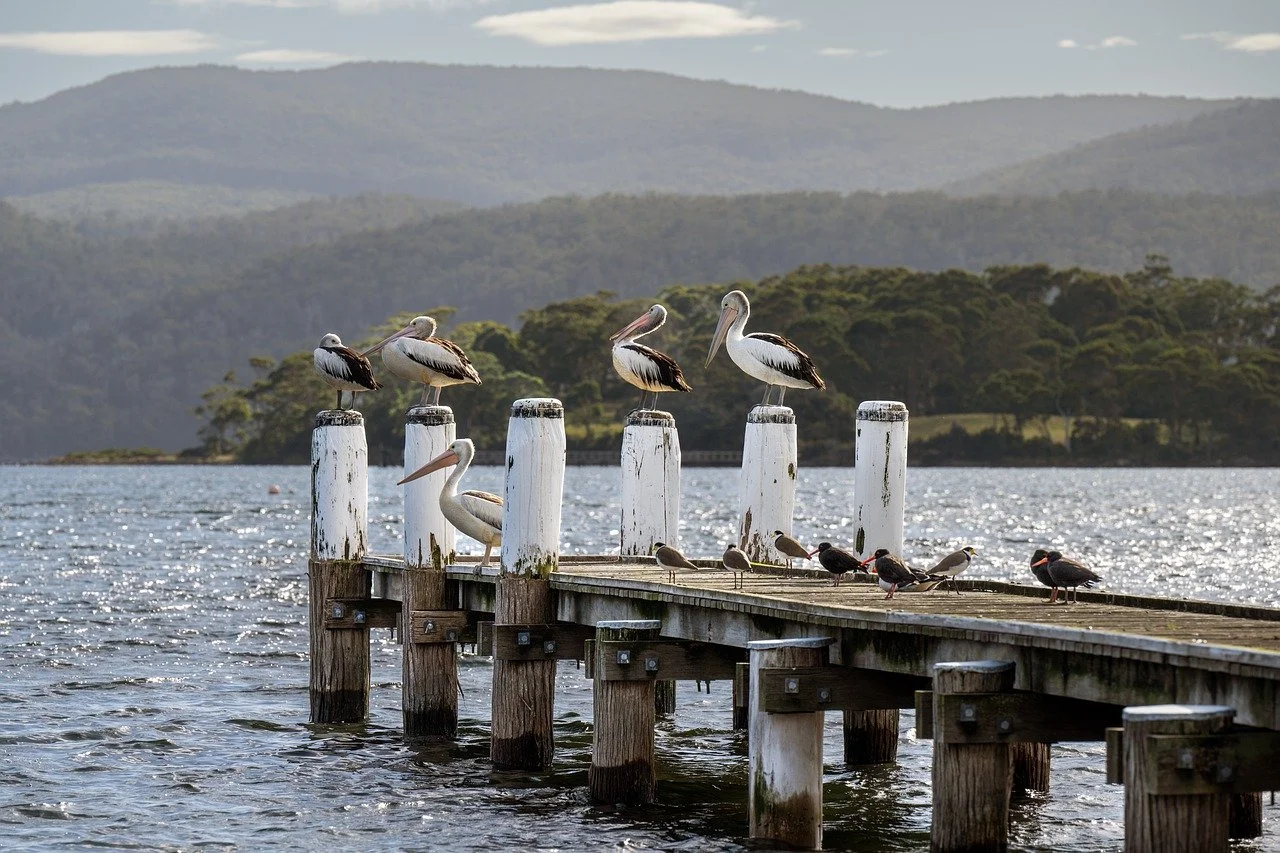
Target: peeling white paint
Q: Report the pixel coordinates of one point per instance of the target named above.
(534, 487)
(769, 473)
(650, 484)
(880, 476)
(428, 432)
(339, 487)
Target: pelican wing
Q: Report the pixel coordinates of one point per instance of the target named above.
(653, 367)
(346, 364)
(484, 506)
(786, 357)
(443, 357)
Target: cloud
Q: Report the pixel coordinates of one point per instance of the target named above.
(1068, 43)
(345, 6)
(759, 48)
(112, 42)
(629, 20)
(285, 56)
(1118, 41)
(1255, 43)
(841, 52)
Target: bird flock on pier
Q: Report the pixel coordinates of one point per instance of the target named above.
(416, 354)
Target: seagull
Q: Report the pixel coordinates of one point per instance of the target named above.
(671, 560)
(952, 565)
(416, 354)
(1067, 573)
(836, 560)
(772, 359)
(342, 368)
(1040, 568)
(790, 547)
(894, 573)
(475, 513)
(735, 560)
(644, 367)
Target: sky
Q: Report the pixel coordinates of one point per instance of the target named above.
(901, 53)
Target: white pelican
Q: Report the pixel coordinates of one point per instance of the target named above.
(416, 354)
(772, 359)
(644, 367)
(475, 513)
(342, 368)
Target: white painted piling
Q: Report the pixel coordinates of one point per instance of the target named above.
(879, 477)
(428, 432)
(650, 482)
(784, 785)
(768, 485)
(339, 486)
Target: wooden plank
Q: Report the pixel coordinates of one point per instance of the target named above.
(539, 642)
(1233, 762)
(437, 626)
(924, 715)
(344, 614)
(829, 688)
(1026, 717)
(672, 661)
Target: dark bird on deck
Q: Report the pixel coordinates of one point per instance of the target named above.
(952, 565)
(342, 368)
(837, 561)
(790, 547)
(1040, 568)
(735, 560)
(893, 573)
(1066, 573)
(671, 560)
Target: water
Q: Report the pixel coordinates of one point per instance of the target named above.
(154, 695)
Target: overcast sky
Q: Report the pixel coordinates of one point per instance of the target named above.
(892, 52)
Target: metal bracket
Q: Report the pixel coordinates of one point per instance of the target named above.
(650, 660)
(345, 614)
(1237, 761)
(802, 690)
(1019, 717)
(437, 626)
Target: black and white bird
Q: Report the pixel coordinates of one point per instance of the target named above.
(475, 513)
(736, 561)
(950, 566)
(646, 368)
(837, 561)
(671, 560)
(1067, 573)
(342, 368)
(416, 354)
(771, 358)
(789, 547)
(893, 573)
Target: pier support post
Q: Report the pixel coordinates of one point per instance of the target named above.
(1030, 767)
(970, 780)
(879, 477)
(1246, 815)
(741, 696)
(1188, 823)
(622, 745)
(429, 692)
(524, 690)
(785, 752)
(870, 737)
(339, 689)
(650, 482)
(768, 490)
(664, 697)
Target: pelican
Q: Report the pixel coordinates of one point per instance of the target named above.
(789, 547)
(477, 514)
(952, 565)
(1066, 573)
(342, 368)
(735, 560)
(644, 367)
(772, 359)
(416, 354)
(671, 560)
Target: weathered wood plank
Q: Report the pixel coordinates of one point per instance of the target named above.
(621, 660)
(830, 688)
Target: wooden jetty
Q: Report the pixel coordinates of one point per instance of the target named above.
(1185, 694)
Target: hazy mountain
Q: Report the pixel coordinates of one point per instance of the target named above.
(153, 199)
(486, 135)
(1234, 150)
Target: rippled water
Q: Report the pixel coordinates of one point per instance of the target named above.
(154, 691)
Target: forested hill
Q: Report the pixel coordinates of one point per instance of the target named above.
(486, 135)
(1235, 150)
(110, 342)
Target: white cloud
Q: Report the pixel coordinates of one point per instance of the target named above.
(1254, 43)
(629, 20)
(285, 56)
(1068, 43)
(112, 42)
(345, 6)
(841, 52)
(759, 48)
(1118, 41)
(872, 53)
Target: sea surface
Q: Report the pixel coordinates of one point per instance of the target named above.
(153, 651)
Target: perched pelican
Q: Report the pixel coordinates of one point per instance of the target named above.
(477, 514)
(894, 573)
(836, 560)
(416, 354)
(789, 547)
(342, 368)
(951, 565)
(644, 367)
(671, 560)
(1068, 574)
(772, 359)
(735, 560)
(1040, 568)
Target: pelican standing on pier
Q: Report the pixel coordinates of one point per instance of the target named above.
(416, 354)
(342, 368)
(475, 513)
(651, 371)
(771, 358)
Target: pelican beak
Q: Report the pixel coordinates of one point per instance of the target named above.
(1040, 562)
(727, 316)
(631, 328)
(444, 460)
(388, 339)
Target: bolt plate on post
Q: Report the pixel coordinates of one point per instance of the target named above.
(1020, 717)
(539, 642)
(1231, 762)
(644, 660)
(801, 690)
(345, 614)
(437, 626)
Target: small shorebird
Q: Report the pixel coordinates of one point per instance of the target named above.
(790, 547)
(952, 565)
(416, 354)
(342, 368)
(651, 371)
(475, 513)
(836, 560)
(893, 573)
(772, 359)
(671, 560)
(1068, 574)
(1040, 568)
(735, 560)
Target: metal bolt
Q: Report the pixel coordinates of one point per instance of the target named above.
(968, 713)
(452, 635)
(1005, 725)
(624, 656)
(548, 647)
(430, 627)
(337, 611)
(1225, 772)
(824, 694)
(523, 638)
(1186, 759)
(650, 664)
(358, 617)
(791, 685)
